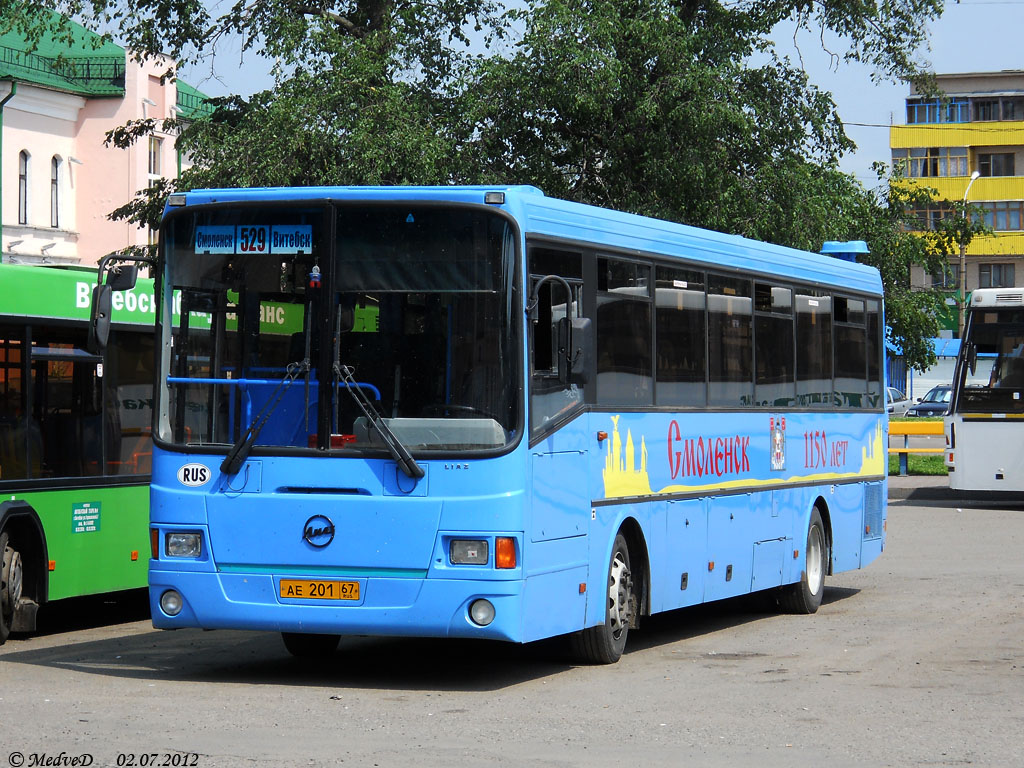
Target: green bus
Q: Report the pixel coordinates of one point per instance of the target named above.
(75, 445)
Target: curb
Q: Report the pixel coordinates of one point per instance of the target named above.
(940, 495)
(923, 494)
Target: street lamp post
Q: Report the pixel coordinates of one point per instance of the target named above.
(963, 257)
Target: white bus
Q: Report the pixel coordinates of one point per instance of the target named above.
(987, 407)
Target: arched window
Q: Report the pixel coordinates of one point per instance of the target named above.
(55, 192)
(23, 187)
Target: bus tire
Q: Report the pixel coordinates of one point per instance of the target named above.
(12, 577)
(605, 643)
(804, 597)
(303, 645)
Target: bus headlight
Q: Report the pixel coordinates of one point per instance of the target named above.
(463, 552)
(481, 612)
(171, 602)
(181, 544)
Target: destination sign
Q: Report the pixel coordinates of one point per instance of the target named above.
(254, 239)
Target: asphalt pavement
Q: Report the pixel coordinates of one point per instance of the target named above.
(920, 488)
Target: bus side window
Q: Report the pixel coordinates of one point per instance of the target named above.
(813, 348)
(730, 341)
(625, 366)
(851, 366)
(128, 380)
(774, 374)
(875, 347)
(549, 397)
(681, 369)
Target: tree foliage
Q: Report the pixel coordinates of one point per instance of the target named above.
(681, 109)
(897, 242)
(655, 108)
(912, 314)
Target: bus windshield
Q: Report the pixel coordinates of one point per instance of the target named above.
(275, 313)
(994, 348)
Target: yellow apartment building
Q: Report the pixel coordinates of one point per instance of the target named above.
(978, 126)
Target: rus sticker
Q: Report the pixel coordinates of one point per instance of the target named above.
(194, 475)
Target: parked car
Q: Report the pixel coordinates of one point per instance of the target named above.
(935, 403)
(896, 402)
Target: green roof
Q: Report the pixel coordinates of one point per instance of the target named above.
(192, 103)
(84, 64)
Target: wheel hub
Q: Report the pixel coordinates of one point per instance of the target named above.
(11, 580)
(619, 591)
(815, 573)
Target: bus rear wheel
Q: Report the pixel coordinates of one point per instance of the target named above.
(805, 596)
(307, 646)
(605, 643)
(12, 577)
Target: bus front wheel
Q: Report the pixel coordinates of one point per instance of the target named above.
(307, 646)
(805, 595)
(12, 576)
(605, 643)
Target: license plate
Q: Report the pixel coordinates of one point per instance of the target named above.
(318, 589)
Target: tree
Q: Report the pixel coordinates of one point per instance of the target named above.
(366, 91)
(681, 109)
(896, 241)
(660, 109)
(656, 109)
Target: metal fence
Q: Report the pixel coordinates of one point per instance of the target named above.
(97, 73)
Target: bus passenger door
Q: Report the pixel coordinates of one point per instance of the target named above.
(558, 517)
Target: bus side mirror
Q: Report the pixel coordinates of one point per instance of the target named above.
(972, 358)
(99, 319)
(563, 338)
(122, 277)
(579, 367)
(573, 339)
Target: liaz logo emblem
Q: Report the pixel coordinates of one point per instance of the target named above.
(194, 475)
(318, 531)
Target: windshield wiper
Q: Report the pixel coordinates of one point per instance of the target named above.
(240, 450)
(395, 447)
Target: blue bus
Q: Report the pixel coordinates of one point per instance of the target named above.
(486, 413)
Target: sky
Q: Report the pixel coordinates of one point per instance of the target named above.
(971, 36)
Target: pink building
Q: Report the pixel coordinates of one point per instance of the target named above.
(58, 182)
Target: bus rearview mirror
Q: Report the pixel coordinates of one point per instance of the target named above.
(563, 338)
(99, 319)
(579, 365)
(122, 277)
(573, 339)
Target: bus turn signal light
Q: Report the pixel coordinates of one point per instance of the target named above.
(154, 543)
(504, 552)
